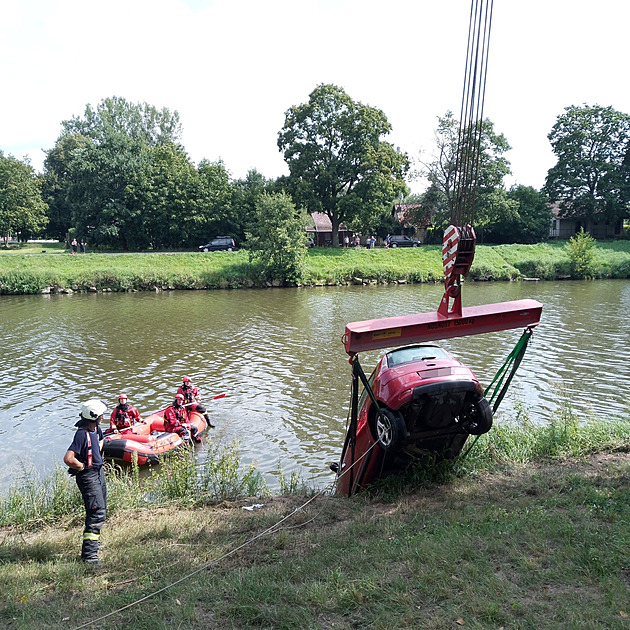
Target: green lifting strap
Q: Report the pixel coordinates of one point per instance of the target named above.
(514, 360)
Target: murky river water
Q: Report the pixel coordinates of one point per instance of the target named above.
(278, 356)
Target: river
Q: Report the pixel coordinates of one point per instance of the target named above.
(277, 355)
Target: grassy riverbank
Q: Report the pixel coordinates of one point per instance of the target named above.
(530, 530)
(29, 273)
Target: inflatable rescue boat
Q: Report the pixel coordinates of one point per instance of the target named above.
(148, 440)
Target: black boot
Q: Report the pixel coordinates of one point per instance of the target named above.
(207, 417)
(195, 434)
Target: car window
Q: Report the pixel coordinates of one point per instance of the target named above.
(415, 353)
(364, 393)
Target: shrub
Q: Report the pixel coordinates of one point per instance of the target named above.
(580, 250)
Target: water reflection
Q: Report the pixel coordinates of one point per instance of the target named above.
(278, 356)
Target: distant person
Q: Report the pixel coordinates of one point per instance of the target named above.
(176, 420)
(85, 460)
(372, 242)
(192, 398)
(346, 241)
(82, 245)
(74, 246)
(388, 240)
(124, 415)
(357, 241)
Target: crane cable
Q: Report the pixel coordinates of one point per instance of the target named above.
(471, 117)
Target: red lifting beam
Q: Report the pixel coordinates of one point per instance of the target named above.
(389, 332)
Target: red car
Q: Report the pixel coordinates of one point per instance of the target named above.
(429, 404)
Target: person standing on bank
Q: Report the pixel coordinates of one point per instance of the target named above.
(85, 460)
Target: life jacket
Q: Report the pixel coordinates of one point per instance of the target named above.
(180, 413)
(123, 419)
(189, 392)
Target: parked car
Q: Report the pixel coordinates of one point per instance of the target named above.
(402, 241)
(225, 243)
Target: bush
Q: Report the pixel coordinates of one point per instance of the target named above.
(580, 250)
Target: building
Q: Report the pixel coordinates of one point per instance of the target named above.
(413, 220)
(566, 227)
(321, 231)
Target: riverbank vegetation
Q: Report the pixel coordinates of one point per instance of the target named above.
(529, 530)
(52, 273)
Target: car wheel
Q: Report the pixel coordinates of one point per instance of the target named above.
(394, 245)
(205, 249)
(477, 417)
(415, 244)
(229, 249)
(388, 430)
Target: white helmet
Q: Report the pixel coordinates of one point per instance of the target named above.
(92, 409)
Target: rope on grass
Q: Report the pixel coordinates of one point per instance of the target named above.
(207, 565)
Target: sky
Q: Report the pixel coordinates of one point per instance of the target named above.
(232, 68)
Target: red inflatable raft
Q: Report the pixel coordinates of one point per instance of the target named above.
(148, 441)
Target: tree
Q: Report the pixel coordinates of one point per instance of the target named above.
(117, 116)
(529, 221)
(338, 163)
(95, 159)
(160, 207)
(245, 195)
(56, 180)
(590, 178)
(440, 171)
(216, 214)
(275, 238)
(22, 210)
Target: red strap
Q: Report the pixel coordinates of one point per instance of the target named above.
(89, 461)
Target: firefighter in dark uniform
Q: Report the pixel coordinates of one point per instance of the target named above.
(85, 461)
(192, 398)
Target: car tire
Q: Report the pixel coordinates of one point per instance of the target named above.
(394, 245)
(477, 417)
(205, 249)
(388, 430)
(415, 244)
(229, 249)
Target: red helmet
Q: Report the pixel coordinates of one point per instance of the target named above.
(186, 379)
(122, 395)
(179, 396)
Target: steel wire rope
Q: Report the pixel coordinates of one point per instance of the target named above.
(471, 114)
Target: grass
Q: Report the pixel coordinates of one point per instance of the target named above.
(24, 272)
(529, 530)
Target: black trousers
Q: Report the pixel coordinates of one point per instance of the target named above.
(93, 489)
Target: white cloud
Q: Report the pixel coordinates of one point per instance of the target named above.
(231, 68)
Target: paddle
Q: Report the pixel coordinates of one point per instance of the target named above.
(194, 402)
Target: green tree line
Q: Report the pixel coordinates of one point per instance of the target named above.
(119, 178)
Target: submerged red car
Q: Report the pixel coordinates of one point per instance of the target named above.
(428, 405)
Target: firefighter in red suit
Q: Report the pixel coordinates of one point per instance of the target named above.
(124, 415)
(192, 397)
(176, 420)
